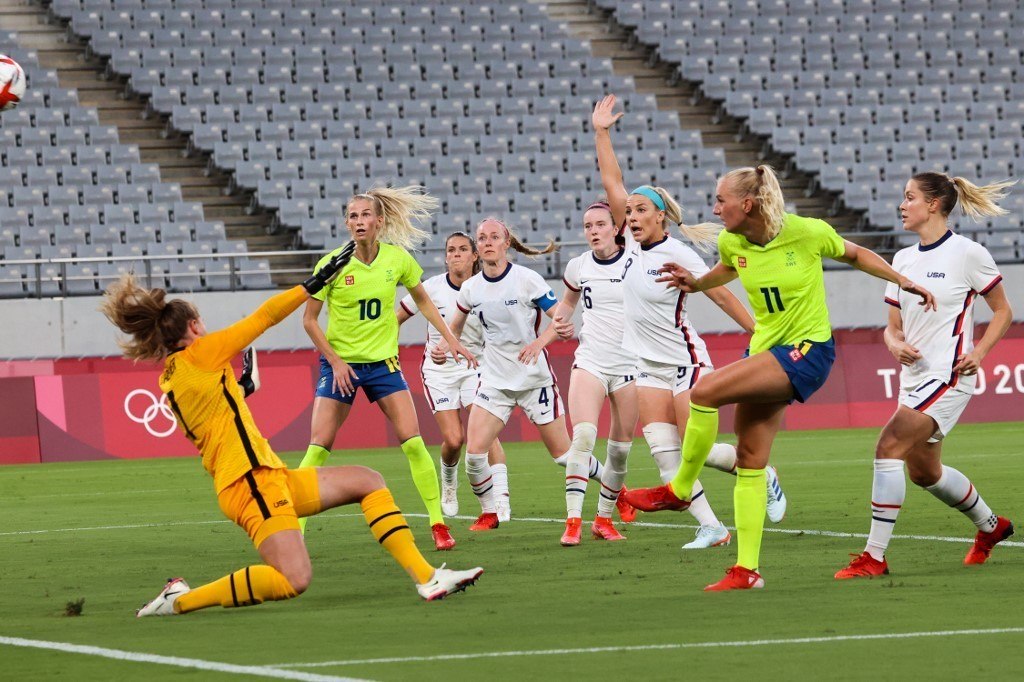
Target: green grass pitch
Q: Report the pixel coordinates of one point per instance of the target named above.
(111, 532)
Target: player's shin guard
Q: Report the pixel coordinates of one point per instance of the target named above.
(315, 456)
(750, 498)
(888, 490)
(613, 477)
(701, 431)
(481, 480)
(722, 457)
(663, 440)
(424, 475)
(500, 473)
(245, 587)
(577, 468)
(389, 527)
(956, 490)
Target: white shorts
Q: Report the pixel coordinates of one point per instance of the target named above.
(669, 377)
(449, 391)
(542, 405)
(939, 401)
(611, 382)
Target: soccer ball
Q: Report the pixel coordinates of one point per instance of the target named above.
(12, 83)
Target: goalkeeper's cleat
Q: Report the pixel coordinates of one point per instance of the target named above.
(503, 506)
(737, 578)
(603, 529)
(573, 531)
(627, 512)
(776, 498)
(486, 521)
(709, 536)
(449, 499)
(863, 565)
(163, 605)
(984, 542)
(446, 581)
(250, 379)
(443, 540)
(654, 499)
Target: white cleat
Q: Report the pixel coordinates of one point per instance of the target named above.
(446, 581)
(163, 605)
(449, 499)
(776, 498)
(710, 536)
(503, 507)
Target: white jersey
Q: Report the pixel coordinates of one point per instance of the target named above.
(600, 283)
(955, 269)
(657, 327)
(443, 293)
(509, 307)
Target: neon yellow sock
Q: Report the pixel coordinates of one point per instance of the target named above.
(424, 475)
(700, 435)
(315, 457)
(750, 499)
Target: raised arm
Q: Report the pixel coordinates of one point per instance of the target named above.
(870, 262)
(611, 174)
(433, 316)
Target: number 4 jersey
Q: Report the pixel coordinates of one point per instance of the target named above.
(599, 283)
(509, 308)
(361, 322)
(784, 281)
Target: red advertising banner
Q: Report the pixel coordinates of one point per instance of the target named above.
(105, 408)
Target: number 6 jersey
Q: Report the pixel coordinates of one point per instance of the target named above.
(599, 283)
(361, 322)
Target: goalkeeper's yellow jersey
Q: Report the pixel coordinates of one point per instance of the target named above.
(208, 402)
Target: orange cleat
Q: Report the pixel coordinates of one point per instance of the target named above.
(654, 499)
(443, 540)
(486, 521)
(863, 566)
(602, 529)
(573, 530)
(627, 512)
(984, 542)
(737, 578)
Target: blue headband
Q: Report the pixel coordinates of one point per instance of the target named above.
(652, 195)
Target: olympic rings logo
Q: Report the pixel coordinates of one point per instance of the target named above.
(157, 408)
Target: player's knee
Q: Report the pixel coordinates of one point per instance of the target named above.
(373, 481)
(584, 436)
(453, 440)
(923, 477)
(299, 577)
(889, 447)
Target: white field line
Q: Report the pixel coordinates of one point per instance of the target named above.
(658, 647)
(176, 661)
(639, 524)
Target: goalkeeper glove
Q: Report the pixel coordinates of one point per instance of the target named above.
(330, 270)
(250, 379)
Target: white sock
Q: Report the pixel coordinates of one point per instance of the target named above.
(663, 440)
(500, 473)
(956, 490)
(613, 476)
(482, 480)
(888, 490)
(701, 508)
(578, 467)
(594, 467)
(450, 475)
(723, 458)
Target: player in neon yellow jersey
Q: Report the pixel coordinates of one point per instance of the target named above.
(360, 346)
(777, 256)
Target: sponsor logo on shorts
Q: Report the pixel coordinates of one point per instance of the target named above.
(482, 395)
(795, 355)
(280, 503)
(442, 400)
(322, 382)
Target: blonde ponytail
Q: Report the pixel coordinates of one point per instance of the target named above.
(977, 202)
(155, 325)
(400, 207)
(703, 235)
(516, 245)
(762, 185)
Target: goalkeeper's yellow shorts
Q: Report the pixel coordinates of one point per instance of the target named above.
(265, 501)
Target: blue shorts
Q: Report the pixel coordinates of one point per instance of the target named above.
(807, 365)
(377, 379)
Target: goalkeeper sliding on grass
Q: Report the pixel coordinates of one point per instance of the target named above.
(254, 488)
